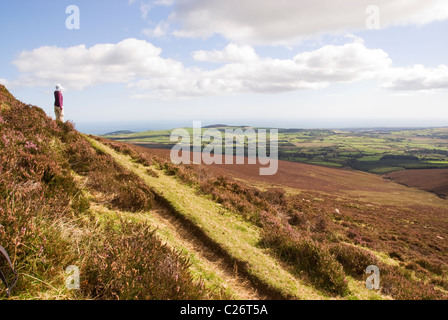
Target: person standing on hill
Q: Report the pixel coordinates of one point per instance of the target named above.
(59, 103)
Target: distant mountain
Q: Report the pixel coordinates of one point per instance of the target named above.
(216, 126)
(223, 126)
(117, 133)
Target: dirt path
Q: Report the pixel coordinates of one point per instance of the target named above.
(214, 260)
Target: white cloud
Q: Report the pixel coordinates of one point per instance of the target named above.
(417, 78)
(146, 6)
(349, 62)
(166, 3)
(231, 53)
(79, 67)
(289, 21)
(308, 70)
(139, 64)
(144, 9)
(159, 31)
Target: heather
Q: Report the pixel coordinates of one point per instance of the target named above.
(51, 180)
(321, 244)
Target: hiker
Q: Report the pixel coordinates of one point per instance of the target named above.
(59, 103)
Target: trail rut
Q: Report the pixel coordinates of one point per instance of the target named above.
(237, 282)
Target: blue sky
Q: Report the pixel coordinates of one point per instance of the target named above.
(286, 63)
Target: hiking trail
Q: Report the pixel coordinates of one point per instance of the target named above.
(223, 248)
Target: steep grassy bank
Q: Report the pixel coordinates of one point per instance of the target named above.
(47, 169)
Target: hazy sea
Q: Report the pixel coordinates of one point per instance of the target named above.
(101, 128)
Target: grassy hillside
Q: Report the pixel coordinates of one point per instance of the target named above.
(139, 227)
(322, 247)
(55, 193)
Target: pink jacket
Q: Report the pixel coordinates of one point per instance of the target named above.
(58, 99)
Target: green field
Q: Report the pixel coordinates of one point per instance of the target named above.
(377, 151)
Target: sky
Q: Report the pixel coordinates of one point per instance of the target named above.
(160, 64)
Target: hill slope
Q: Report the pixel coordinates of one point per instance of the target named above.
(302, 225)
(297, 177)
(64, 203)
(139, 227)
(433, 180)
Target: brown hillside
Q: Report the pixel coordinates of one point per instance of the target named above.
(335, 181)
(433, 180)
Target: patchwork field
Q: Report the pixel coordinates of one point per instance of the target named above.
(377, 151)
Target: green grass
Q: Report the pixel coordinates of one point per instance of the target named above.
(438, 162)
(200, 268)
(326, 163)
(384, 170)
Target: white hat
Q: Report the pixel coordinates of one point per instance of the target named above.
(59, 87)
